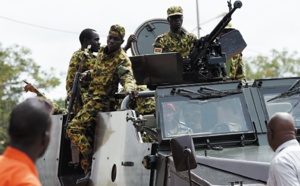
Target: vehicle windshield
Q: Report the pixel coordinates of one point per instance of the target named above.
(290, 104)
(182, 115)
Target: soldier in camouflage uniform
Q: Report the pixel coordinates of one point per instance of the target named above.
(84, 59)
(176, 40)
(112, 67)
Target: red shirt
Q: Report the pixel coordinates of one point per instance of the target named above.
(16, 168)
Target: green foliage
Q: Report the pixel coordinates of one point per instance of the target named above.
(279, 64)
(60, 102)
(16, 65)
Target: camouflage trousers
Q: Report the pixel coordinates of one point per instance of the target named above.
(144, 105)
(82, 128)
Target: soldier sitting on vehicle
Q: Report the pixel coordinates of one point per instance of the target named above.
(172, 125)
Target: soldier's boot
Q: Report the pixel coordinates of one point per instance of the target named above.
(85, 180)
(86, 164)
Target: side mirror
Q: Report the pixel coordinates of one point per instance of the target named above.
(183, 152)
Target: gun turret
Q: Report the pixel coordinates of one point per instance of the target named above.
(207, 58)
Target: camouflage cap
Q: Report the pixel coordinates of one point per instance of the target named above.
(174, 10)
(117, 30)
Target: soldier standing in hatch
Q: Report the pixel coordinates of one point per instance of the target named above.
(176, 40)
(112, 67)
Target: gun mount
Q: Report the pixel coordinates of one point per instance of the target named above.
(207, 59)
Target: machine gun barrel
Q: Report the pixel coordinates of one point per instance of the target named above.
(223, 23)
(200, 48)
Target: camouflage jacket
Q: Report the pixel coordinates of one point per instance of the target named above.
(110, 70)
(88, 64)
(236, 68)
(170, 42)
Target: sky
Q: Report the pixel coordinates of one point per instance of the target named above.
(50, 29)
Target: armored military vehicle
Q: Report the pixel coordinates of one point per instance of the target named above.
(205, 131)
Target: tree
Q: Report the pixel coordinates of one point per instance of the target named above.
(16, 65)
(60, 102)
(279, 64)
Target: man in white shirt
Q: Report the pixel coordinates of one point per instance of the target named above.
(285, 165)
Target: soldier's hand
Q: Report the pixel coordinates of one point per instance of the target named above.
(131, 38)
(83, 76)
(29, 87)
(133, 94)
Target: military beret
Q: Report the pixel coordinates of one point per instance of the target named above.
(174, 10)
(117, 30)
(171, 107)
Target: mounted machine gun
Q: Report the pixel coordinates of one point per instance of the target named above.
(207, 59)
